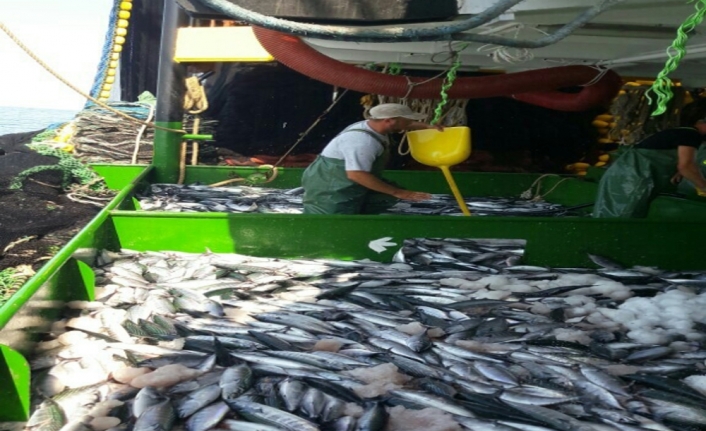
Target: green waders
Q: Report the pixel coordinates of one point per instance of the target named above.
(633, 180)
(327, 189)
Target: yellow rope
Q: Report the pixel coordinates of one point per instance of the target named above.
(195, 144)
(46, 67)
(138, 138)
(226, 182)
(195, 102)
(271, 175)
(182, 162)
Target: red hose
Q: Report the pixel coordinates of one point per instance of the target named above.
(537, 87)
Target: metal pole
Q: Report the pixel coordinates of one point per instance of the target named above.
(170, 96)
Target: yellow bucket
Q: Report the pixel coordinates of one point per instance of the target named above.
(434, 148)
(441, 150)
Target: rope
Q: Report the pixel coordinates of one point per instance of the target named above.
(195, 144)
(252, 179)
(601, 72)
(195, 102)
(662, 86)
(182, 162)
(46, 67)
(527, 194)
(257, 179)
(307, 131)
(88, 199)
(141, 132)
(502, 54)
(411, 85)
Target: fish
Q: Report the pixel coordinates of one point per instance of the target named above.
(237, 425)
(249, 199)
(208, 417)
(429, 400)
(230, 341)
(235, 381)
(271, 416)
(160, 417)
(374, 418)
(48, 416)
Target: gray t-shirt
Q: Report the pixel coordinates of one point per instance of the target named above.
(358, 149)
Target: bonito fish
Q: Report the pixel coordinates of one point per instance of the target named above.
(247, 199)
(454, 334)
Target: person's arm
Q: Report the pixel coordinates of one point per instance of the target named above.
(688, 168)
(370, 181)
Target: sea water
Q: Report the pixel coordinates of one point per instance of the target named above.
(18, 120)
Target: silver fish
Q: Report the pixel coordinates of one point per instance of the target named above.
(159, 417)
(271, 416)
(208, 417)
(432, 401)
(235, 381)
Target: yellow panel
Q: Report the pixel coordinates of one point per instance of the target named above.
(217, 44)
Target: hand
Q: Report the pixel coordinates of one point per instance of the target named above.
(411, 196)
(438, 127)
(676, 179)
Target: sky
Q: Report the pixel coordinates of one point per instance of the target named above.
(68, 35)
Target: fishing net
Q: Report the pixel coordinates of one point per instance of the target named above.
(35, 217)
(632, 111)
(102, 136)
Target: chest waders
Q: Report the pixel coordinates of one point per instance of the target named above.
(327, 189)
(633, 180)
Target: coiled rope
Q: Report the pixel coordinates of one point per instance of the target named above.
(46, 67)
(662, 86)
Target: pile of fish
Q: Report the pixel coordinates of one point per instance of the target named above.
(238, 199)
(432, 341)
(246, 199)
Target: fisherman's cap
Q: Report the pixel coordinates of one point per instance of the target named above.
(394, 110)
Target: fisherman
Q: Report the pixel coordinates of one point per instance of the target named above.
(345, 177)
(648, 168)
